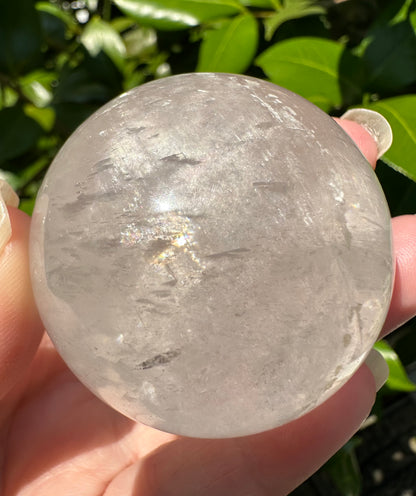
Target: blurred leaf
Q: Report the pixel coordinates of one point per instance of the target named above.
(8, 97)
(230, 48)
(37, 86)
(320, 70)
(140, 42)
(18, 133)
(100, 36)
(55, 11)
(344, 470)
(293, 9)
(400, 111)
(177, 14)
(20, 37)
(398, 380)
(95, 80)
(121, 24)
(27, 205)
(394, 11)
(45, 117)
(390, 57)
(262, 4)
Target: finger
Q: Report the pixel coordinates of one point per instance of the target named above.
(403, 302)
(271, 463)
(20, 326)
(362, 139)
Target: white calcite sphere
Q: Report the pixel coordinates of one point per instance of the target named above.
(211, 255)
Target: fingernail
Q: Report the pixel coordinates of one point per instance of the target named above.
(7, 198)
(378, 367)
(375, 124)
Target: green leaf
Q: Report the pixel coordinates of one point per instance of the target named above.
(344, 470)
(322, 71)
(45, 117)
(100, 36)
(230, 48)
(401, 113)
(140, 42)
(37, 86)
(261, 4)
(56, 11)
(177, 14)
(95, 80)
(294, 9)
(390, 57)
(18, 133)
(398, 380)
(27, 205)
(20, 37)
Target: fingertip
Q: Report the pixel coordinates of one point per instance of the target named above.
(362, 138)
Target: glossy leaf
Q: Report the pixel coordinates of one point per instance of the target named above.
(177, 14)
(101, 36)
(37, 87)
(45, 117)
(231, 48)
(398, 380)
(293, 9)
(262, 4)
(18, 133)
(140, 42)
(20, 37)
(56, 11)
(320, 70)
(390, 57)
(401, 114)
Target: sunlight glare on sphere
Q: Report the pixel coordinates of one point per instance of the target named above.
(211, 255)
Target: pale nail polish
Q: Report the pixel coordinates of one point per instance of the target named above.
(7, 198)
(378, 367)
(375, 124)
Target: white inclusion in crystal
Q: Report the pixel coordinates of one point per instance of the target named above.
(120, 338)
(149, 391)
(338, 193)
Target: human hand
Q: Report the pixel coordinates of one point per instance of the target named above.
(58, 438)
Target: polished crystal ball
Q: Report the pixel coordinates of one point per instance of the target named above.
(211, 255)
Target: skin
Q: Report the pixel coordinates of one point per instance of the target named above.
(57, 438)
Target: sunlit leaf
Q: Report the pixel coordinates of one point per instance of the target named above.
(400, 111)
(54, 10)
(263, 4)
(37, 87)
(45, 117)
(230, 48)
(101, 36)
(293, 9)
(322, 71)
(140, 42)
(177, 14)
(398, 379)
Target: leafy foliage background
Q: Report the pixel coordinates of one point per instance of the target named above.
(61, 60)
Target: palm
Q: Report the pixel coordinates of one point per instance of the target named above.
(60, 439)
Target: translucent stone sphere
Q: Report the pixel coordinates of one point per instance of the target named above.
(211, 255)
